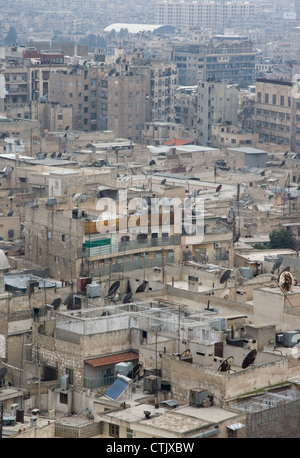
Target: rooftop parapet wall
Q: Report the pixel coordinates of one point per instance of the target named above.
(184, 376)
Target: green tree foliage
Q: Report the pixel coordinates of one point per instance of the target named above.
(282, 239)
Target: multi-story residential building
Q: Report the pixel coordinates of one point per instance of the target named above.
(186, 108)
(295, 44)
(27, 76)
(120, 97)
(205, 14)
(77, 87)
(230, 59)
(225, 58)
(163, 84)
(124, 102)
(189, 58)
(17, 84)
(275, 113)
(217, 103)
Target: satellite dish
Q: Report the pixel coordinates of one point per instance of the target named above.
(219, 188)
(249, 359)
(225, 294)
(137, 369)
(185, 354)
(246, 272)
(225, 366)
(142, 287)
(163, 181)
(113, 288)
(3, 372)
(286, 153)
(152, 162)
(225, 276)
(127, 298)
(69, 300)
(277, 264)
(10, 213)
(286, 281)
(282, 164)
(128, 289)
(56, 303)
(236, 238)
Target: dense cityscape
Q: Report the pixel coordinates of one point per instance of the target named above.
(149, 221)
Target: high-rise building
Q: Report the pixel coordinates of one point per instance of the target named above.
(213, 15)
(217, 103)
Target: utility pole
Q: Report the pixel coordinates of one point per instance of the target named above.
(1, 418)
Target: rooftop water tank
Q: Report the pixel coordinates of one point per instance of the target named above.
(93, 290)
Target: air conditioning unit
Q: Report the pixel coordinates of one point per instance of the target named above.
(217, 245)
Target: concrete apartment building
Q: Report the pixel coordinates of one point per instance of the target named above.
(231, 60)
(124, 104)
(27, 75)
(224, 57)
(217, 103)
(275, 113)
(205, 14)
(121, 97)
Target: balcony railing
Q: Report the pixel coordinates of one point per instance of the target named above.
(129, 266)
(131, 245)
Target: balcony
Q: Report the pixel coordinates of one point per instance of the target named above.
(126, 247)
(129, 266)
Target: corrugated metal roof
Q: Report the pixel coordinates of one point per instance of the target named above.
(112, 359)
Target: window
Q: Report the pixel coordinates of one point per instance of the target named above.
(274, 99)
(114, 430)
(63, 398)
(282, 100)
(266, 98)
(59, 116)
(70, 373)
(63, 237)
(259, 97)
(129, 433)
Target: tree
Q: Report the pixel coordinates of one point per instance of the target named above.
(282, 239)
(11, 36)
